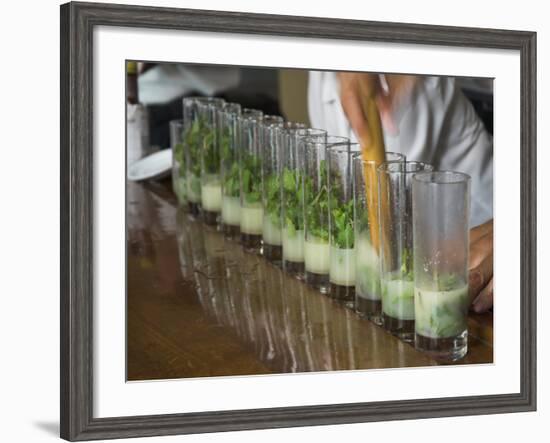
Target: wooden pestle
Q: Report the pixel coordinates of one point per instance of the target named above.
(373, 150)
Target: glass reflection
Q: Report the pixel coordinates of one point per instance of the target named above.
(288, 326)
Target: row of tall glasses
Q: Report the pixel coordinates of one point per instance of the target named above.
(389, 240)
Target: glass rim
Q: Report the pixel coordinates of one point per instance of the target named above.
(359, 159)
(326, 142)
(308, 132)
(339, 147)
(456, 177)
(251, 114)
(294, 126)
(272, 120)
(384, 167)
(252, 111)
(273, 117)
(231, 107)
(203, 99)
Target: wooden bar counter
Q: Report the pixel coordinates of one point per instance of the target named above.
(199, 305)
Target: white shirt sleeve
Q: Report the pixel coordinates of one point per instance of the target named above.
(438, 125)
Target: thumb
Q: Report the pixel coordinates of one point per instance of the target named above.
(480, 275)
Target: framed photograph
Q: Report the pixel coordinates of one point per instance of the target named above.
(272, 221)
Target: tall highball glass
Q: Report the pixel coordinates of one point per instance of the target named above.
(316, 204)
(396, 244)
(211, 186)
(441, 212)
(229, 150)
(272, 166)
(250, 173)
(342, 235)
(292, 196)
(367, 246)
(195, 129)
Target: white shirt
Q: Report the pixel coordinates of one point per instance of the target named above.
(438, 125)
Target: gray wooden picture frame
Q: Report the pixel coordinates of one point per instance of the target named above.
(77, 24)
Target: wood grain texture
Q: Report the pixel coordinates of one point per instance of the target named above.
(77, 23)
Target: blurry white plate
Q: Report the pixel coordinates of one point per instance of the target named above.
(153, 166)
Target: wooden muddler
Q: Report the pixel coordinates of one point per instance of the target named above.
(373, 151)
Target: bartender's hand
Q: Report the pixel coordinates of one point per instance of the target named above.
(389, 92)
(353, 88)
(481, 267)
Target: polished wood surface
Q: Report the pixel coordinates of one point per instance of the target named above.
(199, 305)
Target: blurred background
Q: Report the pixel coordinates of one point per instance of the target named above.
(161, 86)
